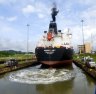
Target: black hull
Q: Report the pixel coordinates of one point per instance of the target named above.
(54, 56)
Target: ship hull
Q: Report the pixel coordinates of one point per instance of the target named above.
(54, 56)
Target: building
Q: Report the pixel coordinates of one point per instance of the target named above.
(80, 49)
(86, 48)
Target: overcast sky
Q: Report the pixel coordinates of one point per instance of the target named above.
(16, 14)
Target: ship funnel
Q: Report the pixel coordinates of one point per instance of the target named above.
(53, 27)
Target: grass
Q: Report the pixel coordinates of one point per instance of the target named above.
(17, 56)
(2, 65)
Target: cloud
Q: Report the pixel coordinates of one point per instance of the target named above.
(86, 2)
(42, 7)
(2, 17)
(41, 15)
(28, 9)
(90, 15)
(2, 1)
(19, 45)
(71, 12)
(4, 28)
(38, 8)
(7, 1)
(13, 38)
(11, 19)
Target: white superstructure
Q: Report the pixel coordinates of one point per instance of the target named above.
(59, 40)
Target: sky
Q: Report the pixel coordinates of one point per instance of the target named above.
(16, 14)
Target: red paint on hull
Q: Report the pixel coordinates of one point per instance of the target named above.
(57, 63)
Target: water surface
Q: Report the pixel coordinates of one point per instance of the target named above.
(47, 81)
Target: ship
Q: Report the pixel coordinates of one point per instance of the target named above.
(54, 48)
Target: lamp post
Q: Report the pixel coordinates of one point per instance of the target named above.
(83, 35)
(27, 38)
(91, 43)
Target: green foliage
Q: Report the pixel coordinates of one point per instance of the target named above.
(5, 55)
(79, 56)
(11, 53)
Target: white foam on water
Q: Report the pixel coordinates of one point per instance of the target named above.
(41, 76)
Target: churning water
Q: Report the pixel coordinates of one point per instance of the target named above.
(71, 80)
(41, 76)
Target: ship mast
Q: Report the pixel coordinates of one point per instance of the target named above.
(69, 34)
